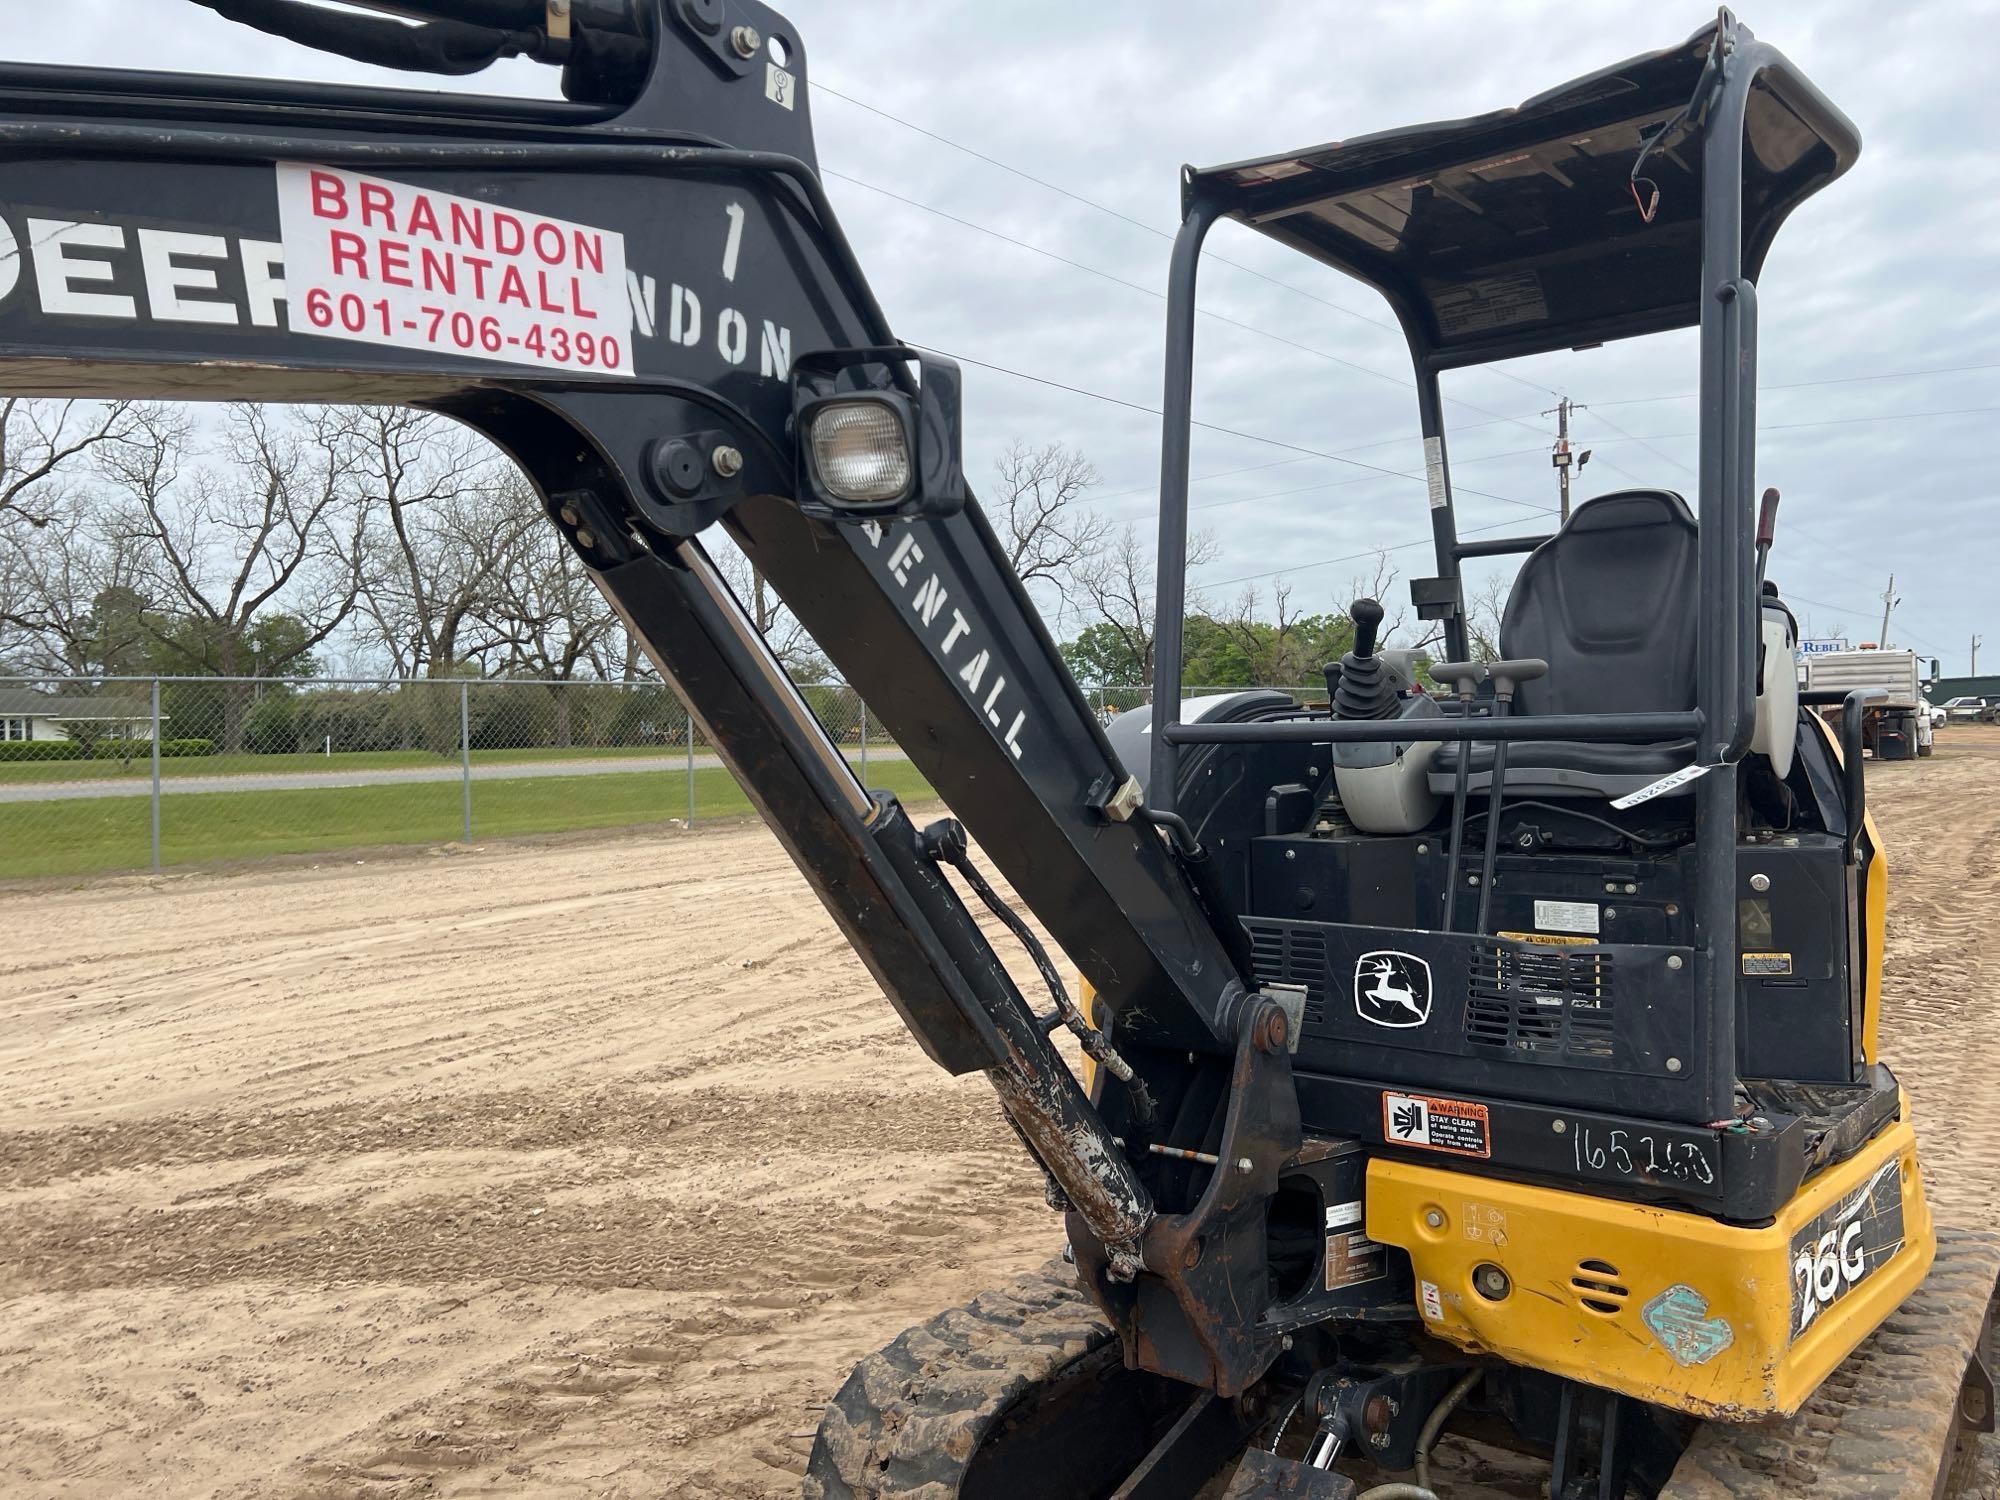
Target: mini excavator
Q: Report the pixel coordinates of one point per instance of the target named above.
(1492, 1049)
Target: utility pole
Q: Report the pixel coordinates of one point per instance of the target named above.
(1889, 602)
(1562, 457)
(1974, 672)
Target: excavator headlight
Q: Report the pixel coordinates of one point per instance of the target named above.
(861, 450)
(877, 438)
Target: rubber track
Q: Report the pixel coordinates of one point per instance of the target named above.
(1877, 1428)
(910, 1415)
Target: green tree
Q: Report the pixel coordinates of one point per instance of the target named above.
(1102, 653)
(116, 637)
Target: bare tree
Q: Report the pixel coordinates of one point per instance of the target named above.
(1044, 530)
(40, 443)
(1287, 648)
(450, 524)
(271, 531)
(1483, 609)
(547, 619)
(1114, 583)
(779, 627)
(74, 597)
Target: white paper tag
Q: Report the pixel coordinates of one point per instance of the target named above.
(1567, 916)
(1434, 471)
(1665, 784)
(1340, 1215)
(381, 262)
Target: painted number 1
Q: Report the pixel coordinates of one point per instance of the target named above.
(734, 245)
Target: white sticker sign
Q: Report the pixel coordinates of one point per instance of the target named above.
(1665, 784)
(1567, 916)
(1434, 472)
(381, 262)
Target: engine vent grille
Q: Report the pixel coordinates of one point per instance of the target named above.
(1281, 953)
(1598, 1287)
(1557, 1000)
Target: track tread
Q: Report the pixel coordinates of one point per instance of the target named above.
(911, 1414)
(1876, 1429)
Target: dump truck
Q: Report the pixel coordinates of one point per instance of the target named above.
(1896, 723)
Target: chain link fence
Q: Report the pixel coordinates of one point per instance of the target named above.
(139, 773)
(146, 772)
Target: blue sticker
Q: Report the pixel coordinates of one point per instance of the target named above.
(1680, 1321)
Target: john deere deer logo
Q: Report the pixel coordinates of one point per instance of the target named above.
(1392, 988)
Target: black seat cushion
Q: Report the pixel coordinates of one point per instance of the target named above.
(1609, 603)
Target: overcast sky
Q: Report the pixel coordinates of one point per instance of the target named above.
(1889, 273)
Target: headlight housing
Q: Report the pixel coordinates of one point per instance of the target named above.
(871, 441)
(861, 450)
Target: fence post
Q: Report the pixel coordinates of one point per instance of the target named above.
(156, 773)
(864, 735)
(465, 751)
(690, 744)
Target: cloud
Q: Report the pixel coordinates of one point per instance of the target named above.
(1887, 271)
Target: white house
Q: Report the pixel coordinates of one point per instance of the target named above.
(30, 714)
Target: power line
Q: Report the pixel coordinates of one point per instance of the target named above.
(1235, 432)
(1801, 385)
(1152, 229)
(1494, 417)
(1305, 452)
(1140, 287)
(1297, 290)
(1328, 562)
(1407, 439)
(1762, 427)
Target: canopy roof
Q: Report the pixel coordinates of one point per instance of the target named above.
(1519, 231)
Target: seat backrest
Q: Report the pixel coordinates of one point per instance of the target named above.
(1609, 603)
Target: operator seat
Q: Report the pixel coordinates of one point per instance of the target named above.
(1609, 602)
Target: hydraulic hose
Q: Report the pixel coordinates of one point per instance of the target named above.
(946, 842)
(1433, 1425)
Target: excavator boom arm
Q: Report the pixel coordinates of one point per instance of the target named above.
(639, 293)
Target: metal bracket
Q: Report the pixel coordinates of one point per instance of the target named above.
(1436, 598)
(1291, 999)
(692, 479)
(710, 24)
(1127, 800)
(1206, 1279)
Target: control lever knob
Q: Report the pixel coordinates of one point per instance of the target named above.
(1367, 617)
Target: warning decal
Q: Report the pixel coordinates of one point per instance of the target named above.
(381, 262)
(1435, 1124)
(1550, 939)
(1431, 1300)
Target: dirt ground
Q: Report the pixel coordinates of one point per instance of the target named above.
(582, 1168)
